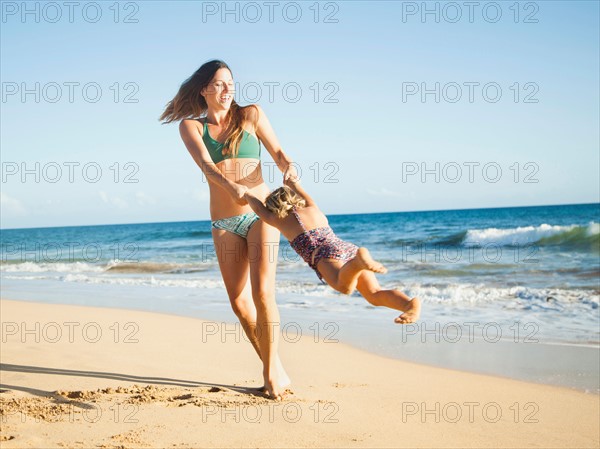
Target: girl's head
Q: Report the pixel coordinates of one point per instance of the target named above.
(211, 87)
(281, 201)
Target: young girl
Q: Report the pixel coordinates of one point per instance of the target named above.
(343, 265)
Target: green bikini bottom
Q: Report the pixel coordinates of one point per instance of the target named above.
(239, 224)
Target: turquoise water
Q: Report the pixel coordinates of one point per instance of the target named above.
(532, 259)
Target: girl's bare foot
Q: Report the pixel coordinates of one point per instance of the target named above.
(411, 314)
(366, 262)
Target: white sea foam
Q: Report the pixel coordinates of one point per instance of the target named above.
(144, 281)
(115, 266)
(593, 229)
(523, 234)
(445, 293)
(60, 267)
(509, 297)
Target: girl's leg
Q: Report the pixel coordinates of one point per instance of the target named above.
(263, 246)
(343, 277)
(331, 269)
(232, 254)
(369, 287)
(349, 273)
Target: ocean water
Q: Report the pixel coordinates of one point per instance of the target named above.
(503, 276)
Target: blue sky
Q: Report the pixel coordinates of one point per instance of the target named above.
(358, 130)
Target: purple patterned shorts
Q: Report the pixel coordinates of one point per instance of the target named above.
(329, 245)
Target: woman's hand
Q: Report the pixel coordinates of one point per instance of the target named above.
(238, 194)
(247, 194)
(290, 175)
(291, 182)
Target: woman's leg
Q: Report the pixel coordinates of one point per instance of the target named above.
(394, 299)
(232, 254)
(263, 246)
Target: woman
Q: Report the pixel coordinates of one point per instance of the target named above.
(226, 144)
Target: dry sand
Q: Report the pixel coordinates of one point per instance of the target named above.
(99, 377)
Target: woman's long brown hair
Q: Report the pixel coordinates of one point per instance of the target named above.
(189, 103)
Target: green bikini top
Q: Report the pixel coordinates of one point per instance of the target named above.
(249, 146)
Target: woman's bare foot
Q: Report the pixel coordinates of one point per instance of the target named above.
(284, 384)
(284, 379)
(412, 314)
(279, 385)
(273, 390)
(286, 391)
(366, 262)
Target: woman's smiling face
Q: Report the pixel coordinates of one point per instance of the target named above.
(220, 91)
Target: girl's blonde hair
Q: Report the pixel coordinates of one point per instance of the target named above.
(282, 200)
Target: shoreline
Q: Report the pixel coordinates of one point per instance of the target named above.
(546, 363)
(233, 328)
(173, 378)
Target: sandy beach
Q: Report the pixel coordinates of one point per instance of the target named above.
(97, 377)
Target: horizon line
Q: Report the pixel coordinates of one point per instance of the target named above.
(329, 215)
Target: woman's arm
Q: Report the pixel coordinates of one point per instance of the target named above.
(265, 132)
(260, 209)
(294, 184)
(194, 144)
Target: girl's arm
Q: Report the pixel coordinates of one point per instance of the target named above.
(260, 209)
(193, 141)
(265, 133)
